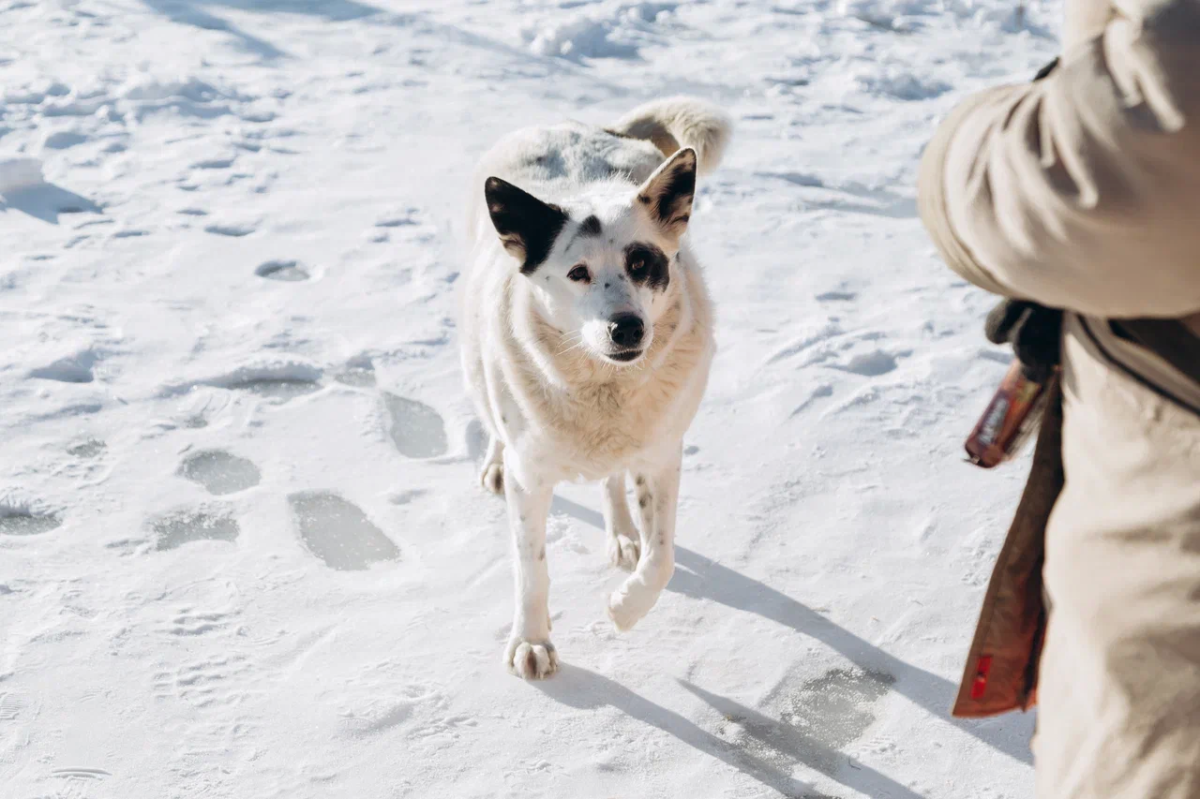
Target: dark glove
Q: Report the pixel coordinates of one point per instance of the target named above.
(1034, 331)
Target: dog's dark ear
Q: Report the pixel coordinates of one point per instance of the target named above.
(527, 226)
(667, 194)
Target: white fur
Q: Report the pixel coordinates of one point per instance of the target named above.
(534, 353)
(676, 122)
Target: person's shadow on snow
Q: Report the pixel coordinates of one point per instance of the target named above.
(699, 577)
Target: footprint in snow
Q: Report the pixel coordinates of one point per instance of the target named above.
(88, 448)
(358, 372)
(285, 270)
(219, 472)
(277, 388)
(408, 223)
(80, 774)
(77, 368)
(176, 528)
(398, 219)
(11, 706)
(869, 364)
(837, 296)
(417, 430)
(233, 229)
(63, 139)
(338, 533)
(816, 723)
(837, 707)
(213, 681)
(284, 381)
(190, 622)
(220, 162)
(17, 520)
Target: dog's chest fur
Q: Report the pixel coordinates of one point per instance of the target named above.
(592, 419)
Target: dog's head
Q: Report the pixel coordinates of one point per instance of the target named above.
(602, 272)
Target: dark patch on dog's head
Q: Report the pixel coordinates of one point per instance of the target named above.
(647, 265)
(588, 228)
(669, 192)
(527, 226)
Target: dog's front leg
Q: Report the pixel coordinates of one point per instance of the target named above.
(623, 548)
(529, 653)
(657, 493)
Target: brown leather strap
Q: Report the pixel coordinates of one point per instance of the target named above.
(1173, 346)
(1169, 339)
(1001, 669)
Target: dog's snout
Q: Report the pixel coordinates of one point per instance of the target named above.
(626, 330)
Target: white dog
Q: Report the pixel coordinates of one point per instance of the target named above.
(587, 338)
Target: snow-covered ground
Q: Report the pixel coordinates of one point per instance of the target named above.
(242, 551)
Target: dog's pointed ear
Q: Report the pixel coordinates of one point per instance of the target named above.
(667, 194)
(527, 226)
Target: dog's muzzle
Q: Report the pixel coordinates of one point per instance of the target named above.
(626, 332)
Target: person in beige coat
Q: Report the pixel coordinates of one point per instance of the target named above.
(1081, 192)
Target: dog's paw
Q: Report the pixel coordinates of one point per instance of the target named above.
(624, 552)
(623, 613)
(530, 661)
(492, 478)
(633, 600)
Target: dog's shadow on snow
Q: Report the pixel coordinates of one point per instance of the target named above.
(780, 743)
(699, 577)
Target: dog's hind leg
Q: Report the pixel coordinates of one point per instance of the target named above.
(657, 493)
(492, 475)
(529, 653)
(624, 549)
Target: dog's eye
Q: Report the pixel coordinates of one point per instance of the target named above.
(580, 274)
(636, 266)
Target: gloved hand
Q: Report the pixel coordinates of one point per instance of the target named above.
(1034, 331)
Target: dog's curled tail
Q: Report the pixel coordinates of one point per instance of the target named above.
(676, 122)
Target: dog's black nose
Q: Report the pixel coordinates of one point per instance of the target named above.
(626, 330)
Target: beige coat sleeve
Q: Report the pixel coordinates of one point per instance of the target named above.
(1082, 191)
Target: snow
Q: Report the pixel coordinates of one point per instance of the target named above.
(17, 174)
(243, 551)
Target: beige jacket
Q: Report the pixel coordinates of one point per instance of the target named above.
(1082, 191)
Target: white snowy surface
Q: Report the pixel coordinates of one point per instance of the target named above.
(242, 551)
